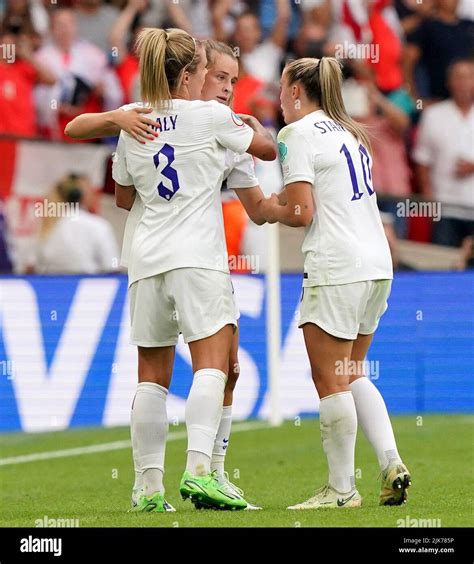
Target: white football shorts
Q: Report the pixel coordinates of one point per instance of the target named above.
(196, 302)
(345, 310)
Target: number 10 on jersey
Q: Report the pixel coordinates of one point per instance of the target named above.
(365, 161)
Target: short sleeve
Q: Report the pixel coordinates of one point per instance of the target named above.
(296, 157)
(119, 164)
(423, 152)
(242, 174)
(231, 132)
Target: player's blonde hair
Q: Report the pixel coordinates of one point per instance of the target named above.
(322, 81)
(213, 46)
(165, 54)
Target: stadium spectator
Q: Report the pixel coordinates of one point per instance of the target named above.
(387, 125)
(74, 241)
(412, 13)
(19, 73)
(367, 32)
(437, 42)
(122, 40)
(445, 156)
(194, 16)
(84, 83)
(25, 18)
(311, 41)
(155, 14)
(262, 59)
(94, 18)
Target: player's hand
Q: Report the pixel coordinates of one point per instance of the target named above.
(136, 124)
(250, 121)
(268, 208)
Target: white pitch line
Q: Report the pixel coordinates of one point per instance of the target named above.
(106, 447)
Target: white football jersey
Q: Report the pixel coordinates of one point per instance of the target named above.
(239, 173)
(345, 242)
(178, 177)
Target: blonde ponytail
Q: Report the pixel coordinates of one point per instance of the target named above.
(332, 103)
(322, 81)
(164, 55)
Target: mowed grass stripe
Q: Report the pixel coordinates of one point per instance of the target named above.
(106, 447)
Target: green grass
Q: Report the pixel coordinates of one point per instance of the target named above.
(277, 467)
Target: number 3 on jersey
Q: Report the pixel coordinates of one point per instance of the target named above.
(167, 152)
(365, 161)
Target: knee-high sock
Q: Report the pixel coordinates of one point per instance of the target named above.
(338, 422)
(149, 429)
(222, 441)
(373, 418)
(203, 414)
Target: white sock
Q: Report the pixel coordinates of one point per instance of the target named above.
(149, 429)
(222, 441)
(338, 422)
(138, 484)
(203, 414)
(373, 418)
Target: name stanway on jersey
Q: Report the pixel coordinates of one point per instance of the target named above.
(345, 242)
(178, 178)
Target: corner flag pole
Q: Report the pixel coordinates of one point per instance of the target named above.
(273, 319)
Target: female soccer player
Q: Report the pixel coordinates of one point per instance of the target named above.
(178, 275)
(326, 163)
(223, 70)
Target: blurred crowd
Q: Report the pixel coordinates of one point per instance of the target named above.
(409, 68)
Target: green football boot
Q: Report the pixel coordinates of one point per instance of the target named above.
(155, 503)
(206, 492)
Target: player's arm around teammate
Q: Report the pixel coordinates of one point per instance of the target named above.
(175, 287)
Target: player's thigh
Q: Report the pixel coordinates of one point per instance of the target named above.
(334, 309)
(152, 312)
(206, 312)
(374, 307)
(327, 356)
(329, 316)
(155, 364)
(204, 301)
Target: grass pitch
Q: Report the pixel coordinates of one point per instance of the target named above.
(276, 467)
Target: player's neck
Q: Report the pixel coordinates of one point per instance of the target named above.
(307, 108)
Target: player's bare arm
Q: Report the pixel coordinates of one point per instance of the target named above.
(262, 145)
(296, 212)
(124, 196)
(109, 124)
(251, 198)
